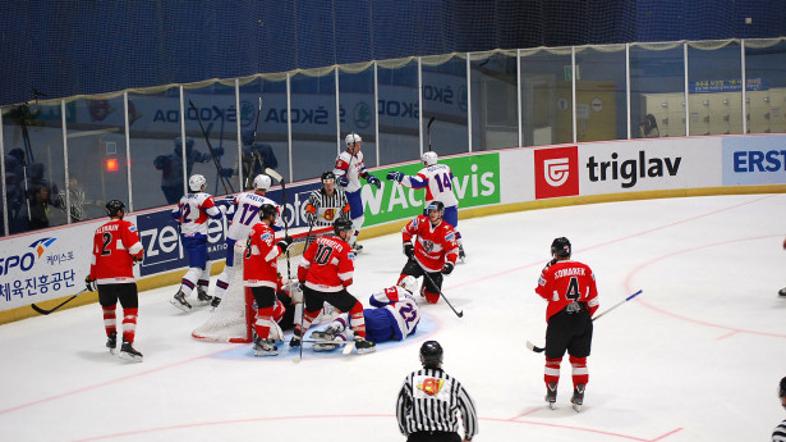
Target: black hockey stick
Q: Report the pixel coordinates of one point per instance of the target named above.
(428, 131)
(460, 314)
(277, 176)
(254, 155)
(57, 307)
(226, 182)
(537, 349)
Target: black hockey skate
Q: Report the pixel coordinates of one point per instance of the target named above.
(363, 346)
(357, 248)
(111, 342)
(203, 297)
(327, 335)
(215, 302)
(265, 347)
(578, 397)
(296, 337)
(129, 353)
(179, 301)
(782, 292)
(462, 255)
(551, 394)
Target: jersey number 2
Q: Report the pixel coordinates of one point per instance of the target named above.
(107, 238)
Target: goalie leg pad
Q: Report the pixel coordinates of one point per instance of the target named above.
(266, 328)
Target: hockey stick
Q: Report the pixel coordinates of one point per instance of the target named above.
(460, 314)
(57, 307)
(537, 349)
(277, 176)
(428, 131)
(225, 182)
(254, 155)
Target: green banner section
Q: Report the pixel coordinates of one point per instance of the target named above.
(475, 183)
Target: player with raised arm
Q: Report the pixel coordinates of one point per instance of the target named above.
(349, 169)
(327, 203)
(394, 317)
(437, 180)
(192, 213)
(116, 248)
(325, 273)
(245, 208)
(434, 252)
(569, 287)
(260, 275)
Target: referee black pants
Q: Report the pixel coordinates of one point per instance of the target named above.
(433, 436)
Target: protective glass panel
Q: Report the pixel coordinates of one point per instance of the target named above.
(546, 100)
(715, 91)
(356, 108)
(600, 95)
(657, 92)
(97, 163)
(765, 73)
(314, 144)
(494, 103)
(445, 99)
(270, 147)
(399, 139)
(211, 131)
(156, 155)
(35, 175)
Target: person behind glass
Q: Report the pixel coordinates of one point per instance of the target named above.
(649, 127)
(348, 170)
(39, 207)
(171, 167)
(430, 399)
(256, 156)
(779, 435)
(116, 248)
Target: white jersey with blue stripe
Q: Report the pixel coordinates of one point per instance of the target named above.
(246, 208)
(353, 167)
(193, 211)
(402, 305)
(437, 179)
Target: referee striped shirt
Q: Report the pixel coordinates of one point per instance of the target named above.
(779, 435)
(328, 207)
(429, 400)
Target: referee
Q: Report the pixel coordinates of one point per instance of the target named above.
(429, 399)
(327, 203)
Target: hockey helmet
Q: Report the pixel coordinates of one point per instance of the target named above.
(353, 138)
(342, 225)
(114, 206)
(431, 354)
(409, 283)
(197, 183)
(560, 247)
(435, 205)
(262, 182)
(329, 175)
(782, 390)
(268, 211)
(429, 158)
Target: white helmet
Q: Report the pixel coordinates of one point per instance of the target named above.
(352, 139)
(409, 283)
(197, 183)
(429, 158)
(262, 182)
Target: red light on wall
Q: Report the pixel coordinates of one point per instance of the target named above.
(111, 165)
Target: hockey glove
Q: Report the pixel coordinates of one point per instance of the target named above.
(284, 243)
(90, 284)
(409, 250)
(374, 181)
(447, 268)
(395, 176)
(343, 181)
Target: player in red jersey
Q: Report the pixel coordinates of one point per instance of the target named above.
(260, 275)
(435, 251)
(116, 248)
(569, 287)
(325, 273)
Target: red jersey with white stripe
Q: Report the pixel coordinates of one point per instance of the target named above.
(565, 282)
(435, 244)
(327, 265)
(259, 261)
(437, 179)
(193, 211)
(352, 166)
(115, 245)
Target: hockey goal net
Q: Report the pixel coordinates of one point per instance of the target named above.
(232, 319)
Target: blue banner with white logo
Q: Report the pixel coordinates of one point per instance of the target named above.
(754, 160)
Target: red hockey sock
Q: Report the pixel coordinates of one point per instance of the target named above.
(431, 297)
(308, 318)
(109, 319)
(551, 374)
(580, 372)
(262, 325)
(129, 324)
(357, 322)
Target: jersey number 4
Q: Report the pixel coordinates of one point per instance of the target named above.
(443, 181)
(573, 289)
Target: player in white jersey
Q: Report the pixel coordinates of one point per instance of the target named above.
(437, 179)
(192, 213)
(245, 207)
(394, 318)
(349, 169)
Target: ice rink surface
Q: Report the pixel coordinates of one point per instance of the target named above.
(697, 357)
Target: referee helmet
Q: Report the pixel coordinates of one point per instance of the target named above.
(431, 354)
